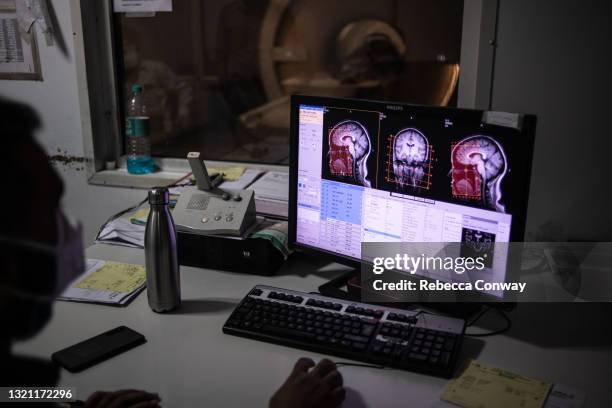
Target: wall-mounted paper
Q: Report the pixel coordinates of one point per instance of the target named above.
(18, 52)
(141, 6)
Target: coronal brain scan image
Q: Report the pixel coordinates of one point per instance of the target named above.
(349, 149)
(478, 167)
(410, 158)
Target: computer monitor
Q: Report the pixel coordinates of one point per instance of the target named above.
(368, 171)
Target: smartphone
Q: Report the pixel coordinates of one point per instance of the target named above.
(97, 349)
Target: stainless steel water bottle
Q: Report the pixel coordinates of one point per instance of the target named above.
(161, 260)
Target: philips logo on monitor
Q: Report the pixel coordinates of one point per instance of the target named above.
(395, 107)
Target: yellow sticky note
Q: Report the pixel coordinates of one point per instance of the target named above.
(484, 386)
(114, 277)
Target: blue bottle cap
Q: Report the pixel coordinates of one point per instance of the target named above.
(136, 88)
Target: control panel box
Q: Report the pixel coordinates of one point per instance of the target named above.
(215, 212)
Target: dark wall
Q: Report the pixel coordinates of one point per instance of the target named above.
(553, 60)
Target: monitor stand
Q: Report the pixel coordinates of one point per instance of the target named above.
(348, 287)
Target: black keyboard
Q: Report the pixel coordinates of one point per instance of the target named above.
(408, 340)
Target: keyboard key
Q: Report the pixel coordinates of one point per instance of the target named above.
(356, 338)
(287, 333)
(363, 311)
(417, 356)
(445, 358)
(367, 330)
(324, 304)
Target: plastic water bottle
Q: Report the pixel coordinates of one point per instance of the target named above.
(137, 127)
(161, 257)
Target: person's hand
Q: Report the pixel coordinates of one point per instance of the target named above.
(320, 386)
(122, 399)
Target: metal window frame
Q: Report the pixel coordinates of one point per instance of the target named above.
(101, 70)
(98, 73)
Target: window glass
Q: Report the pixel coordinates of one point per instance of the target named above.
(217, 74)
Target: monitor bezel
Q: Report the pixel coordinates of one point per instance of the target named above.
(519, 216)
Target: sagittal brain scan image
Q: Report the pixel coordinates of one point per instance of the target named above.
(478, 165)
(349, 149)
(410, 151)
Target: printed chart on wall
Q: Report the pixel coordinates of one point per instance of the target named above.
(18, 50)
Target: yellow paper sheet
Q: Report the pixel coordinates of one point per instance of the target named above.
(229, 173)
(114, 277)
(140, 216)
(484, 386)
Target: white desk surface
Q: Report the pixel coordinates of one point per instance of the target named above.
(190, 362)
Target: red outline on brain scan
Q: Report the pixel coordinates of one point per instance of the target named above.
(411, 154)
(478, 164)
(349, 148)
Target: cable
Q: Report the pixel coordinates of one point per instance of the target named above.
(494, 332)
(176, 183)
(482, 312)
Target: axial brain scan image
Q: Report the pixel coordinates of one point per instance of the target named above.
(410, 157)
(349, 149)
(478, 244)
(478, 166)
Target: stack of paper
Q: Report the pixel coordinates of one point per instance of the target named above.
(272, 194)
(122, 231)
(128, 229)
(107, 282)
(243, 181)
(484, 386)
